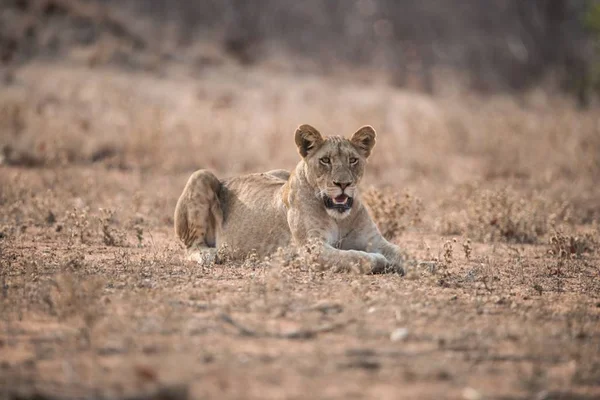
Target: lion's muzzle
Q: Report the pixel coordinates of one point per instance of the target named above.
(341, 203)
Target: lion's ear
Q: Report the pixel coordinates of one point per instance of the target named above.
(364, 140)
(307, 139)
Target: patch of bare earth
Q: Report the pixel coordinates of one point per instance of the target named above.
(97, 301)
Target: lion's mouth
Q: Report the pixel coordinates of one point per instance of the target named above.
(340, 203)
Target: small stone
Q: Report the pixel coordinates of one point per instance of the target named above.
(471, 394)
(398, 334)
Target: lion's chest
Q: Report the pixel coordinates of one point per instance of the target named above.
(342, 235)
(337, 236)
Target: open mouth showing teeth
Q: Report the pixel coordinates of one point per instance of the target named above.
(340, 203)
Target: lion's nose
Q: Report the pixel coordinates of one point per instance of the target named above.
(342, 185)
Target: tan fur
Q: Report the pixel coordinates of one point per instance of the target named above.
(262, 212)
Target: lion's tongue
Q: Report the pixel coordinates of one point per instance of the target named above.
(341, 199)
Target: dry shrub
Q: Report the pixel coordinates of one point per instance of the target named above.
(227, 254)
(567, 246)
(111, 236)
(85, 227)
(392, 212)
(467, 248)
(505, 215)
(79, 226)
(290, 258)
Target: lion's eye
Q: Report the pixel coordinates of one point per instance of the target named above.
(325, 160)
(353, 160)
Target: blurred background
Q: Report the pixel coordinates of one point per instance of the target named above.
(476, 91)
(496, 45)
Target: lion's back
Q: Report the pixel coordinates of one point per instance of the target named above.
(254, 216)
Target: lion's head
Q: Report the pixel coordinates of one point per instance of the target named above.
(335, 165)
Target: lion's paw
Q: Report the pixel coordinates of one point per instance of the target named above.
(381, 265)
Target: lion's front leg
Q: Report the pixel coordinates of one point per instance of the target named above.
(347, 260)
(316, 238)
(370, 240)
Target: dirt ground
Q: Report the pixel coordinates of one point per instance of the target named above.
(97, 300)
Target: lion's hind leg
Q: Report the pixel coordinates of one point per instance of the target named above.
(198, 216)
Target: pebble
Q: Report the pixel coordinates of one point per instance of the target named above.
(398, 334)
(471, 394)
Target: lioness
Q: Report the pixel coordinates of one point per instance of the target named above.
(317, 202)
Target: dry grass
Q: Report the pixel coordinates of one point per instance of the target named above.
(392, 212)
(96, 299)
(505, 214)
